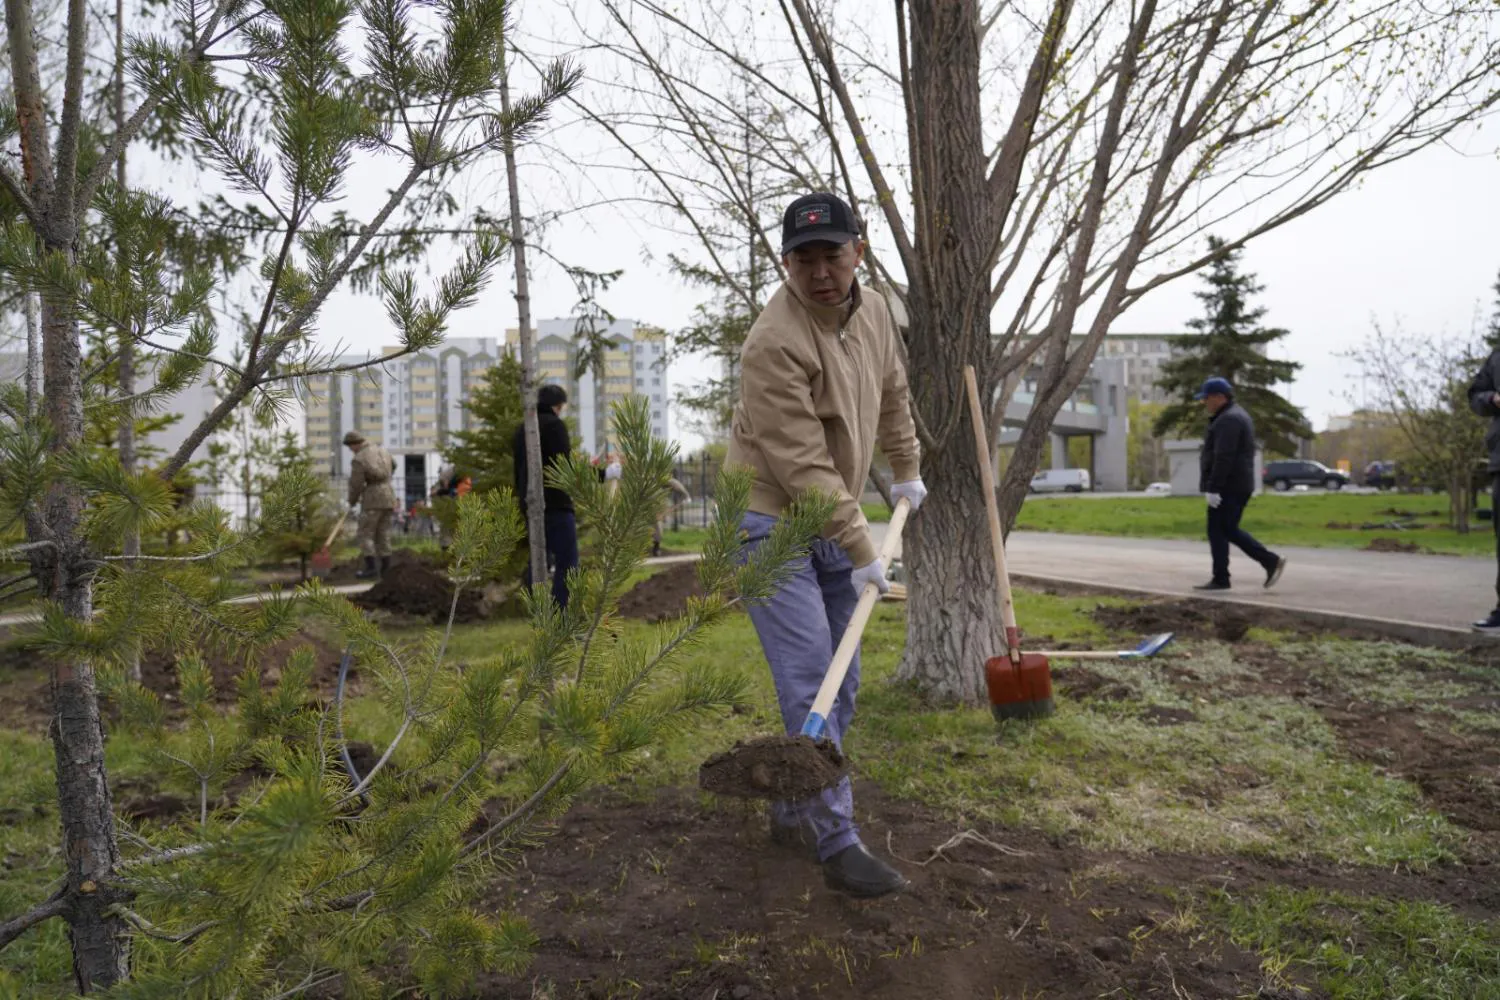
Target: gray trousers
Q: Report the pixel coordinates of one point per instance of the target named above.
(799, 628)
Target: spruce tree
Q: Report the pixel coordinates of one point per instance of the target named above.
(486, 450)
(1229, 341)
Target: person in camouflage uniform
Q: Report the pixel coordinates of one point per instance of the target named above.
(370, 490)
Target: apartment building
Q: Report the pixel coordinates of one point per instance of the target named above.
(409, 404)
(1143, 355)
(635, 365)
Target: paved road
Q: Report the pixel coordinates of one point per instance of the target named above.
(1444, 591)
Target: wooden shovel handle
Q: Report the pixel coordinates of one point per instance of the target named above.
(336, 526)
(844, 655)
(992, 511)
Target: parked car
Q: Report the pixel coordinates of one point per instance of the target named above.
(1381, 475)
(1060, 481)
(1159, 489)
(1283, 476)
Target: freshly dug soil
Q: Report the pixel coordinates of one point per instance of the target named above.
(774, 768)
(687, 898)
(25, 698)
(662, 596)
(1392, 545)
(1189, 619)
(420, 589)
(159, 668)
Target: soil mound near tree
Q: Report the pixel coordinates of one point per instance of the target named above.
(421, 589)
(1186, 618)
(662, 596)
(774, 768)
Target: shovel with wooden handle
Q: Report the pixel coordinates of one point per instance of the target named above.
(322, 560)
(838, 667)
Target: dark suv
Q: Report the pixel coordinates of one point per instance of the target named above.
(1381, 475)
(1285, 475)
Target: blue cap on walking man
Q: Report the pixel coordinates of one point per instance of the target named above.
(1216, 386)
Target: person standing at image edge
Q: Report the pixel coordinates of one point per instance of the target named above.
(821, 382)
(370, 490)
(1484, 399)
(1227, 480)
(560, 527)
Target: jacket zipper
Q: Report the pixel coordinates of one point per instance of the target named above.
(859, 391)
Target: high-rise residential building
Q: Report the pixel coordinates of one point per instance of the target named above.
(635, 365)
(1143, 355)
(409, 404)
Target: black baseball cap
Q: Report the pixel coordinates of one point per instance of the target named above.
(819, 217)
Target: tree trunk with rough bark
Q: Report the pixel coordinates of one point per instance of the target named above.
(534, 502)
(100, 941)
(953, 622)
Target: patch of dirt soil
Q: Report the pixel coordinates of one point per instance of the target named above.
(1081, 682)
(1457, 771)
(662, 596)
(25, 696)
(1189, 619)
(159, 668)
(416, 588)
(772, 768)
(682, 897)
(1393, 545)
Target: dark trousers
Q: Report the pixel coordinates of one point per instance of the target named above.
(1224, 528)
(1495, 521)
(562, 551)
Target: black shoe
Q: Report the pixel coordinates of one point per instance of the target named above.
(856, 871)
(367, 572)
(1274, 573)
(801, 838)
(1490, 625)
(385, 565)
(1213, 585)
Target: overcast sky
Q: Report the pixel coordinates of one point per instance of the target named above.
(1417, 243)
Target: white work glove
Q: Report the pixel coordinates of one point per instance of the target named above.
(1214, 500)
(871, 572)
(912, 489)
(613, 471)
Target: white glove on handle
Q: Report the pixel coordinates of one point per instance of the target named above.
(913, 490)
(871, 572)
(1214, 500)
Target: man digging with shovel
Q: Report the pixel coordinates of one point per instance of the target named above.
(821, 382)
(370, 490)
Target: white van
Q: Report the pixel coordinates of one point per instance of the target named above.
(1061, 481)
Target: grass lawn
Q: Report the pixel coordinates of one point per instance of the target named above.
(1241, 770)
(1331, 520)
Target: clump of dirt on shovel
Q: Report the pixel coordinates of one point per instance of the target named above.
(773, 767)
(419, 589)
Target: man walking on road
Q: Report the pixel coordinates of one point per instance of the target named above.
(560, 526)
(370, 489)
(1227, 478)
(821, 383)
(1485, 401)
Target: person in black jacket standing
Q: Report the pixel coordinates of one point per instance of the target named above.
(561, 528)
(1484, 399)
(1227, 479)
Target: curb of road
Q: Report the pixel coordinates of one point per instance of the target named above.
(1420, 633)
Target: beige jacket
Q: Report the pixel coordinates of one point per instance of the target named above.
(819, 386)
(370, 479)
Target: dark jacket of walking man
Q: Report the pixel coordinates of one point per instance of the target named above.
(1227, 479)
(1485, 401)
(821, 381)
(560, 526)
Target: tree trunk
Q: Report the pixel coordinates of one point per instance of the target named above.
(101, 943)
(953, 622)
(534, 502)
